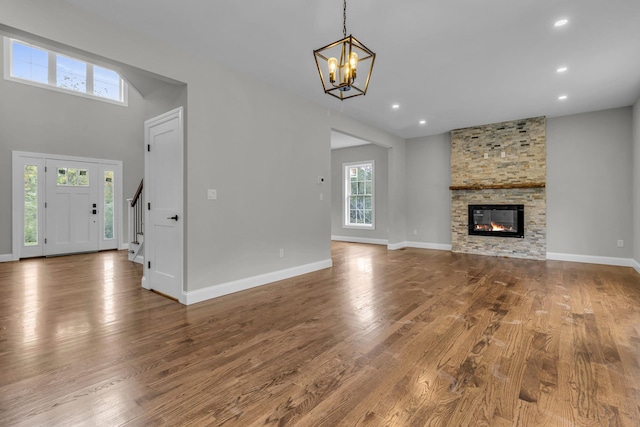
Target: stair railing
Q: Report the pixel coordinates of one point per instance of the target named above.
(136, 214)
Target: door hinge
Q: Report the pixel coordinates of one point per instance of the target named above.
(148, 206)
(148, 147)
(149, 264)
(45, 168)
(45, 241)
(45, 205)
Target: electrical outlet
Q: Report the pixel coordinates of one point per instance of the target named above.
(621, 243)
(281, 253)
(415, 232)
(212, 194)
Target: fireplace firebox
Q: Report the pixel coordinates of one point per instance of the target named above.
(496, 220)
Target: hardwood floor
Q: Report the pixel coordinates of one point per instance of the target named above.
(384, 338)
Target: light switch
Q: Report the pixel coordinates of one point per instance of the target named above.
(212, 194)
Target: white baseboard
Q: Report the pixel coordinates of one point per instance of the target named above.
(199, 295)
(396, 246)
(360, 240)
(124, 247)
(144, 283)
(424, 245)
(139, 259)
(636, 265)
(590, 259)
(6, 257)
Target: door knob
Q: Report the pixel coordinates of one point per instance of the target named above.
(175, 217)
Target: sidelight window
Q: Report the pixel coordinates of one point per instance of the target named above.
(108, 205)
(30, 205)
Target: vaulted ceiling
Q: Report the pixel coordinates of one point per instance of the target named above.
(452, 63)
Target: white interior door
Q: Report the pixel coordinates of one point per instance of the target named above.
(71, 207)
(163, 186)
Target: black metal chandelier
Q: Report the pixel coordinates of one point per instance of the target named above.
(341, 61)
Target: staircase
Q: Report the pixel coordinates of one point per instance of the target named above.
(136, 226)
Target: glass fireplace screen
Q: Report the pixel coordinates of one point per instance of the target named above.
(496, 220)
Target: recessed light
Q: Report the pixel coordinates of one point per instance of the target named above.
(562, 69)
(395, 106)
(423, 122)
(562, 97)
(561, 22)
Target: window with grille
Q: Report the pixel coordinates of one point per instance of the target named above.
(359, 194)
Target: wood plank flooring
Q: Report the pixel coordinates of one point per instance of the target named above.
(384, 338)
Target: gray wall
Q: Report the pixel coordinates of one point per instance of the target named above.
(381, 176)
(589, 183)
(428, 181)
(260, 148)
(636, 183)
(589, 168)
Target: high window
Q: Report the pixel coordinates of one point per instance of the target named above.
(359, 195)
(42, 67)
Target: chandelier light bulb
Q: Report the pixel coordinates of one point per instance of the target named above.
(333, 66)
(353, 62)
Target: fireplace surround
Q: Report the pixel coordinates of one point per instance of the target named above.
(501, 163)
(496, 220)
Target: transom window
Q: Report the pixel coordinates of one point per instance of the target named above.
(42, 67)
(359, 194)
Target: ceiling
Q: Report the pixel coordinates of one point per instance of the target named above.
(453, 63)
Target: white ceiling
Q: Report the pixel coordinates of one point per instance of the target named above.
(454, 63)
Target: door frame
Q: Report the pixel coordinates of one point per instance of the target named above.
(149, 185)
(17, 189)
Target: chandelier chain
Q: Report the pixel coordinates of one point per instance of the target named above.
(344, 19)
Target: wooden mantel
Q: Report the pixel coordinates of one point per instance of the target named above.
(498, 186)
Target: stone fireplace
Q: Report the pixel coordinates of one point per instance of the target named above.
(494, 169)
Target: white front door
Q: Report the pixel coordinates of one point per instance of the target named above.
(67, 186)
(163, 184)
(71, 207)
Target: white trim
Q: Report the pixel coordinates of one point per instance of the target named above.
(590, 259)
(139, 259)
(124, 247)
(425, 245)
(360, 240)
(396, 246)
(636, 265)
(6, 258)
(215, 291)
(144, 283)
